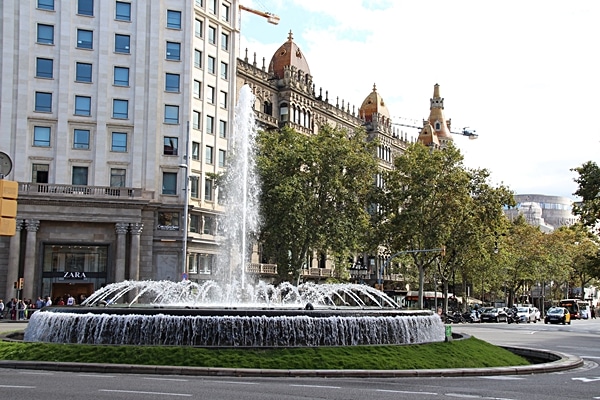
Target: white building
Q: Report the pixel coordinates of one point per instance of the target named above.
(547, 212)
(101, 100)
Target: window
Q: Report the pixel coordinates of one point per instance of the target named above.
(169, 184)
(171, 114)
(120, 109)
(198, 28)
(198, 3)
(222, 129)
(196, 119)
(121, 77)
(223, 99)
(41, 136)
(195, 151)
(222, 155)
(210, 124)
(173, 51)
(211, 64)
(83, 72)
(224, 41)
(44, 68)
(170, 146)
(209, 155)
(194, 186)
(208, 190)
(81, 139)
(123, 11)
(45, 5)
(43, 102)
(83, 105)
(212, 6)
(39, 173)
(85, 39)
(224, 70)
(202, 263)
(208, 224)
(225, 12)
(122, 43)
(168, 220)
(80, 176)
(196, 89)
(117, 177)
(119, 142)
(212, 35)
(197, 58)
(173, 19)
(45, 34)
(171, 82)
(85, 7)
(210, 94)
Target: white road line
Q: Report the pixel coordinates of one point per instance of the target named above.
(96, 376)
(407, 392)
(35, 373)
(318, 386)
(166, 379)
(232, 382)
(17, 386)
(150, 393)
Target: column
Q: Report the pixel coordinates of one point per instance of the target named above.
(134, 260)
(32, 227)
(121, 230)
(12, 274)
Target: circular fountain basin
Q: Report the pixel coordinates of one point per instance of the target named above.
(233, 327)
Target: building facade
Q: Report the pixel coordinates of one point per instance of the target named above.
(546, 212)
(107, 108)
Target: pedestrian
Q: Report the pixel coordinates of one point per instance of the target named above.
(70, 300)
(593, 312)
(1, 309)
(21, 310)
(39, 303)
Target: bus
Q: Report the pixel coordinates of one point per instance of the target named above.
(573, 306)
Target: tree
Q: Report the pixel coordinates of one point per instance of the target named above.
(589, 191)
(423, 200)
(314, 194)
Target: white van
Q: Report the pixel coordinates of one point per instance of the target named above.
(584, 309)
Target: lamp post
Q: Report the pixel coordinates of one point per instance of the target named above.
(186, 201)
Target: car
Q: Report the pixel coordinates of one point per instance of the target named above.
(526, 314)
(494, 315)
(537, 314)
(557, 315)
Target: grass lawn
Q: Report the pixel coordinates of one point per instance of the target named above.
(467, 353)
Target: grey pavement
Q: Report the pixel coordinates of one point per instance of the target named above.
(555, 362)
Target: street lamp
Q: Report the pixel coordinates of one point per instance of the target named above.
(186, 201)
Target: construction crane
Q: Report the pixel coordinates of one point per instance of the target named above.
(271, 18)
(466, 131)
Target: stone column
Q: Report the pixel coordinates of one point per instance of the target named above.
(121, 230)
(134, 260)
(12, 274)
(32, 227)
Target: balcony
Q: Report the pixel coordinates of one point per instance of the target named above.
(317, 273)
(262, 269)
(49, 190)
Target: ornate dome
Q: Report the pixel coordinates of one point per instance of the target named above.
(288, 54)
(372, 104)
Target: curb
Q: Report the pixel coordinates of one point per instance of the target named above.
(558, 362)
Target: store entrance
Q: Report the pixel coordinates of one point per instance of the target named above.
(79, 291)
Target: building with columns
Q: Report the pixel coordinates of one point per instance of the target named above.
(107, 108)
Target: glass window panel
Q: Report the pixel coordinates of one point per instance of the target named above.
(170, 146)
(123, 11)
(120, 109)
(81, 139)
(41, 136)
(117, 177)
(43, 101)
(44, 67)
(173, 51)
(83, 105)
(85, 7)
(172, 82)
(84, 39)
(122, 43)
(173, 19)
(80, 176)
(83, 72)
(121, 76)
(169, 183)
(171, 114)
(119, 142)
(45, 4)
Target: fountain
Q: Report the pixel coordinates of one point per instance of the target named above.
(231, 311)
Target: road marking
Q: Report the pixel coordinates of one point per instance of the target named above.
(140, 392)
(407, 392)
(17, 387)
(587, 380)
(318, 386)
(96, 376)
(503, 377)
(166, 379)
(231, 382)
(474, 396)
(36, 373)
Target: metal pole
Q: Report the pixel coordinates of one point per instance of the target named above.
(186, 201)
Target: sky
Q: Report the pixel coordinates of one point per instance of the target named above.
(522, 73)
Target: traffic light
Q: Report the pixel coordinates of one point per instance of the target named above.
(20, 284)
(9, 191)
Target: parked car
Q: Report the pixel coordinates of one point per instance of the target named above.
(536, 312)
(494, 315)
(557, 315)
(526, 314)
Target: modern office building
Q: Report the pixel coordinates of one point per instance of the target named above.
(546, 212)
(107, 106)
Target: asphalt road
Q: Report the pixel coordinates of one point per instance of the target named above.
(580, 338)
